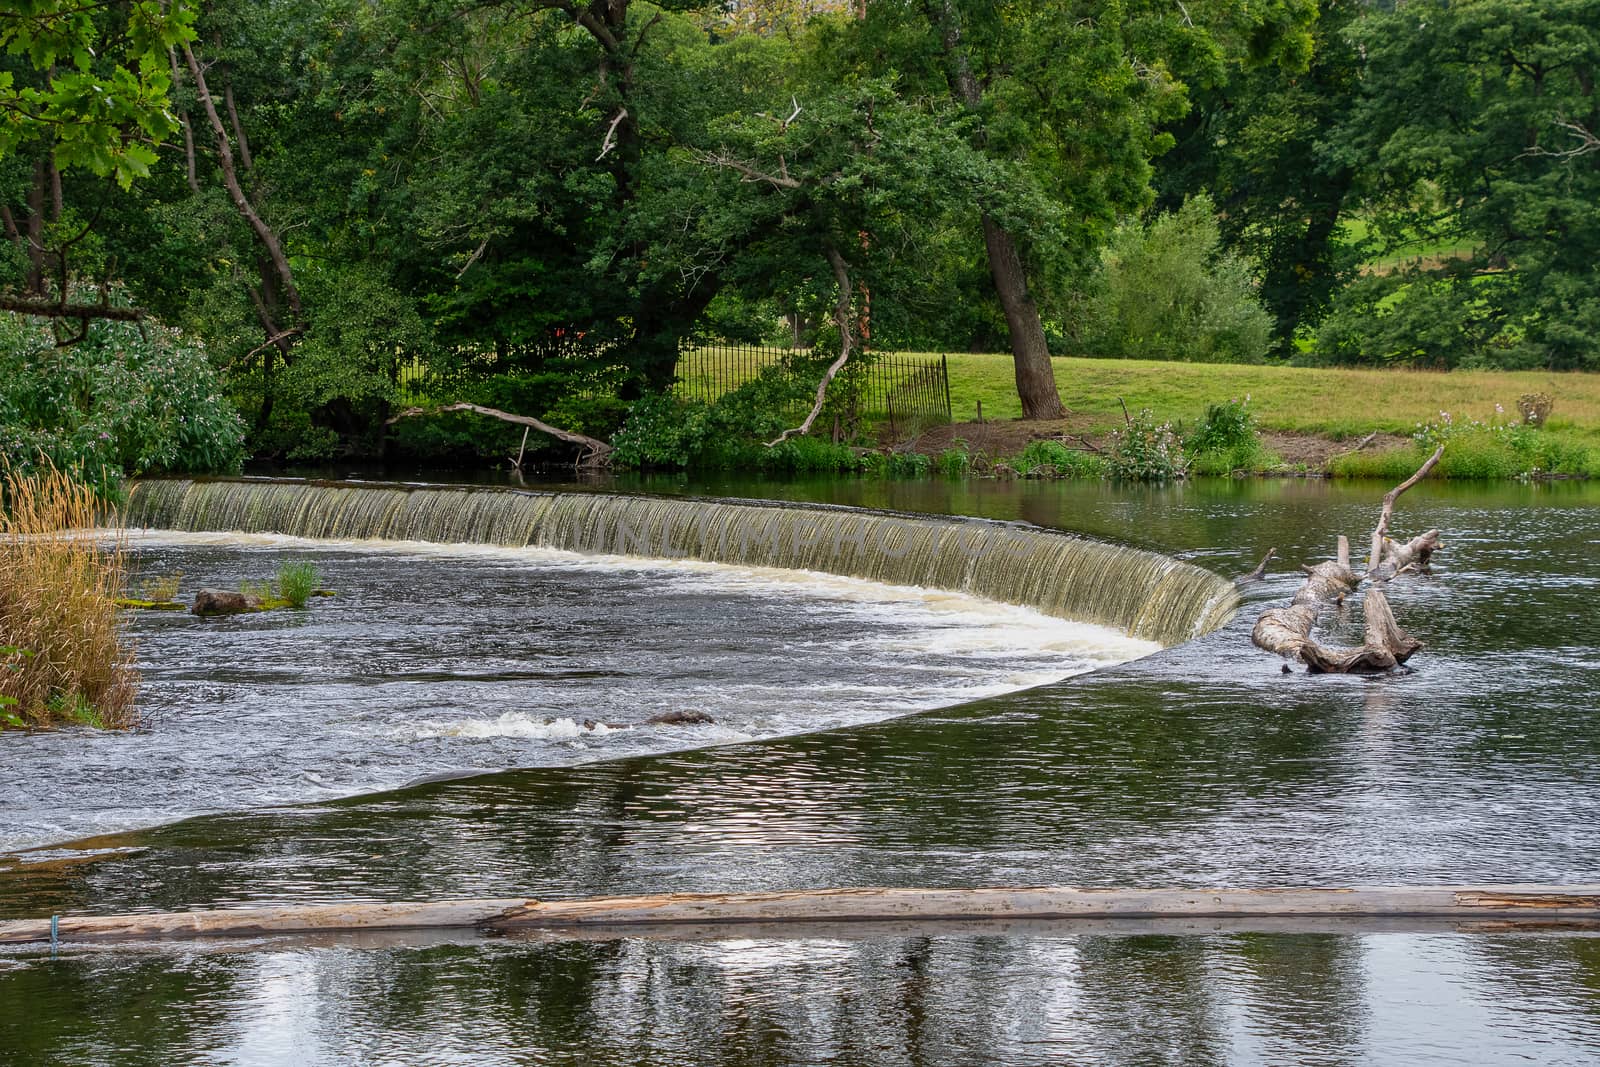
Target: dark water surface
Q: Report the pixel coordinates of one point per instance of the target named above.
(1201, 765)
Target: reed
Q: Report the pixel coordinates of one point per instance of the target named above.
(297, 582)
(62, 653)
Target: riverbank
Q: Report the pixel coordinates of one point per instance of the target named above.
(1320, 421)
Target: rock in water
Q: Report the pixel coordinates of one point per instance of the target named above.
(680, 718)
(211, 602)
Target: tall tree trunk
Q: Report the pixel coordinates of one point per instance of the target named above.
(1036, 376)
(190, 170)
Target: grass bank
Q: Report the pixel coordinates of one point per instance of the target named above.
(1310, 418)
(1333, 402)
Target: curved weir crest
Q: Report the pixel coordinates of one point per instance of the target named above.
(1142, 593)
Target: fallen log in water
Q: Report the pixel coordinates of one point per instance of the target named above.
(1287, 631)
(1541, 903)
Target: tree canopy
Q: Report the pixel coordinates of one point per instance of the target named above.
(537, 203)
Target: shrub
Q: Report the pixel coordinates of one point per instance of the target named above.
(1225, 440)
(1052, 459)
(1226, 426)
(660, 430)
(128, 399)
(666, 431)
(1167, 290)
(897, 464)
(1535, 408)
(159, 588)
(62, 657)
(297, 581)
(1146, 451)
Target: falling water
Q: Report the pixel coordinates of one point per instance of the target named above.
(1141, 593)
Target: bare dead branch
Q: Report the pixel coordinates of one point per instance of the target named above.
(610, 141)
(275, 340)
(596, 453)
(1287, 630)
(751, 174)
(1587, 142)
(477, 253)
(1363, 443)
(230, 179)
(1260, 571)
(1381, 531)
(841, 315)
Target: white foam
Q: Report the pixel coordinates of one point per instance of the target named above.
(513, 724)
(962, 624)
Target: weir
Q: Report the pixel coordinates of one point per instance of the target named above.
(1141, 593)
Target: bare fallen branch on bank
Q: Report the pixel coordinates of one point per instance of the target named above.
(596, 453)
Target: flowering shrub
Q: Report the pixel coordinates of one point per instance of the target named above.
(128, 399)
(1146, 451)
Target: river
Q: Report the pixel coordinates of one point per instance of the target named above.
(1199, 765)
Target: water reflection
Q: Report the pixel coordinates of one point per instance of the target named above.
(913, 998)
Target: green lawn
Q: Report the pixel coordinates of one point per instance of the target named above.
(1336, 402)
(1420, 251)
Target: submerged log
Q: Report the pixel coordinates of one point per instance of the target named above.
(1287, 631)
(1510, 903)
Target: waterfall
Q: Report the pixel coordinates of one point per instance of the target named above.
(1141, 593)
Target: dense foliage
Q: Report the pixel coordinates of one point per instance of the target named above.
(532, 204)
(126, 399)
(1167, 289)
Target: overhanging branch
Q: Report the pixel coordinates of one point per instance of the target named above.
(595, 453)
(51, 309)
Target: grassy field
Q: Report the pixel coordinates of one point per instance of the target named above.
(1337, 403)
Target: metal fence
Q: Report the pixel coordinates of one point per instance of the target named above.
(903, 388)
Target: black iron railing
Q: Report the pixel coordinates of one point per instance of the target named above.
(905, 390)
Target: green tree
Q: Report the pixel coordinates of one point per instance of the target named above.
(82, 87)
(1261, 143)
(1477, 122)
(1168, 290)
(1074, 96)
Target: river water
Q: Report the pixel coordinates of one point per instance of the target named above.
(1198, 765)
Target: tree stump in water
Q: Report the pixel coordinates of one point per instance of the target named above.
(1287, 631)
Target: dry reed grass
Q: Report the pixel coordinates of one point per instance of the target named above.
(62, 653)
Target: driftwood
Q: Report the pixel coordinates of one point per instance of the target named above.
(1287, 631)
(1380, 533)
(1511, 903)
(1260, 571)
(595, 453)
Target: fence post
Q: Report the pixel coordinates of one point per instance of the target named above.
(944, 373)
